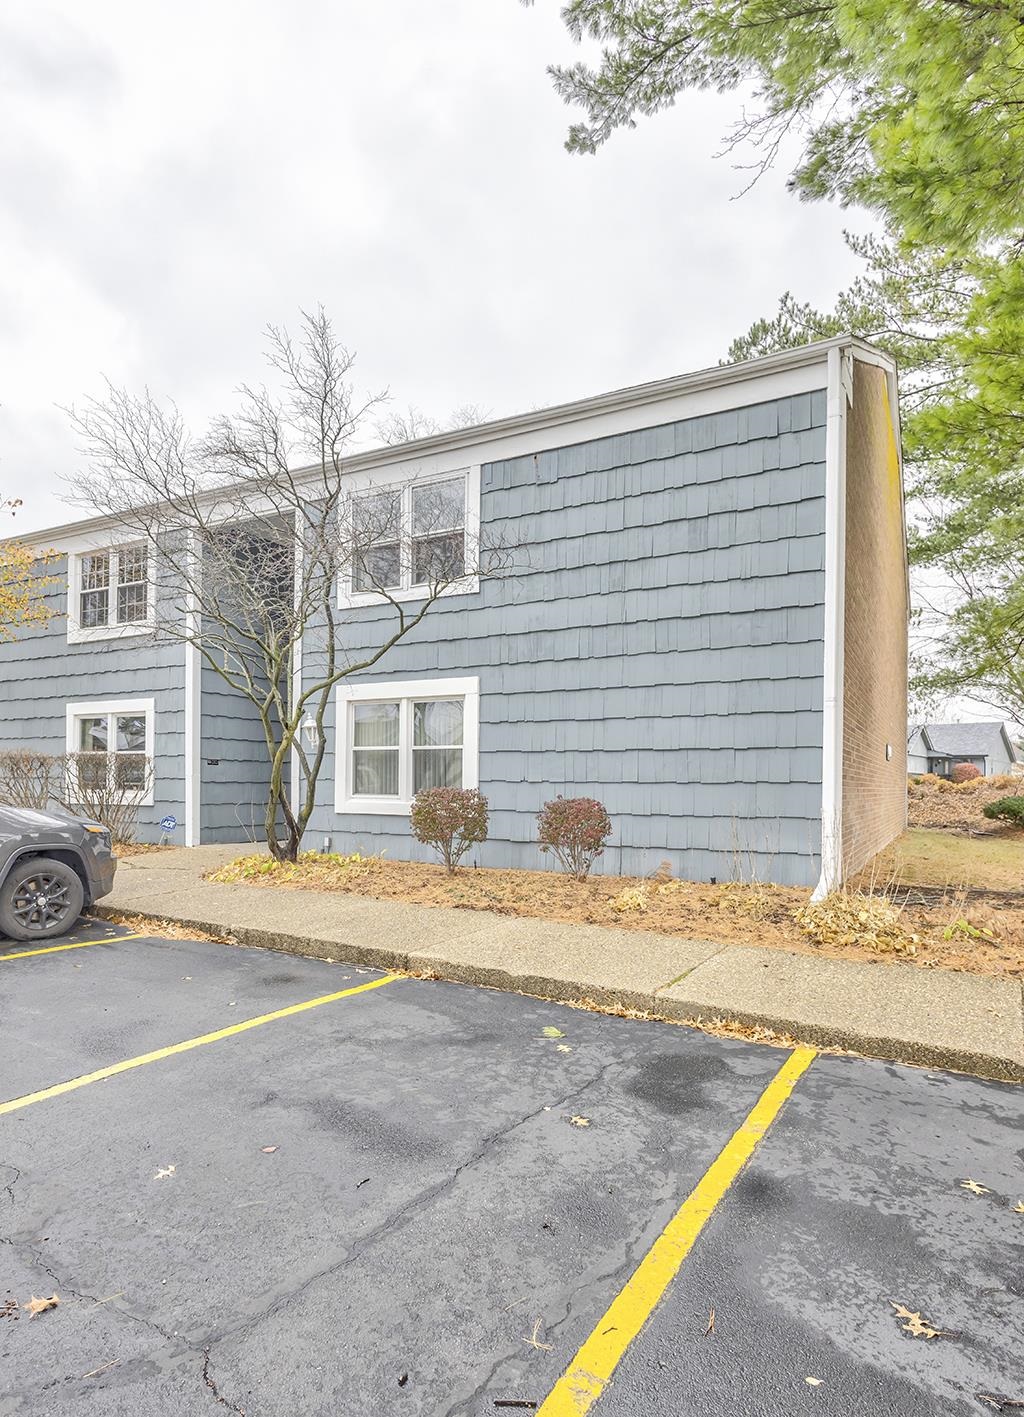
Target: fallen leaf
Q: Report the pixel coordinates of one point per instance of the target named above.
(163, 1173)
(1018, 1209)
(552, 1032)
(534, 1338)
(40, 1306)
(711, 1323)
(580, 1121)
(974, 1188)
(915, 1325)
(403, 1380)
(268, 1150)
(563, 1048)
(814, 1382)
(1001, 1404)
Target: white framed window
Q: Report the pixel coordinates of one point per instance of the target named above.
(113, 744)
(395, 739)
(110, 593)
(413, 532)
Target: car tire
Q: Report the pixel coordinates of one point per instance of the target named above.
(40, 898)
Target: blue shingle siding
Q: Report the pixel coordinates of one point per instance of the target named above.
(659, 646)
(234, 765)
(40, 674)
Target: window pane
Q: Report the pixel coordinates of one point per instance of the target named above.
(375, 725)
(93, 609)
(131, 564)
(130, 770)
(436, 767)
(96, 571)
(131, 603)
(439, 506)
(375, 772)
(378, 568)
(436, 560)
(92, 770)
(377, 516)
(131, 733)
(92, 735)
(437, 723)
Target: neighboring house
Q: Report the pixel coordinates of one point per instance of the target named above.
(708, 634)
(940, 747)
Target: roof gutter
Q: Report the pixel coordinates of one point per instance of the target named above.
(838, 397)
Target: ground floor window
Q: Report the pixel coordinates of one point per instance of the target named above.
(110, 748)
(395, 739)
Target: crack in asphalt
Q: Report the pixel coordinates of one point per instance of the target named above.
(10, 1185)
(406, 1211)
(214, 1389)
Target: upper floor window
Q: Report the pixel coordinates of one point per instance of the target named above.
(412, 538)
(109, 591)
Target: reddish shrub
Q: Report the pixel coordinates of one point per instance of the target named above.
(576, 829)
(450, 819)
(965, 772)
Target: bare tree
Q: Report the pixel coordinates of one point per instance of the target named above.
(250, 532)
(412, 423)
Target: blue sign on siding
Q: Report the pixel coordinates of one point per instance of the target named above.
(167, 824)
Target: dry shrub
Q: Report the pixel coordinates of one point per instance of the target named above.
(631, 898)
(756, 901)
(965, 772)
(1003, 780)
(853, 918)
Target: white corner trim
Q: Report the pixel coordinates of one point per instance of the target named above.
(193, 714)
(406, 691)
(840, 393)
(96, 708)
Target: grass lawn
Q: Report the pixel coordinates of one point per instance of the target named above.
(941, 858)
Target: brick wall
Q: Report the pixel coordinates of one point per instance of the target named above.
(875, 673)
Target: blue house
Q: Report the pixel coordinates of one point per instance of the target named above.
(707, 632)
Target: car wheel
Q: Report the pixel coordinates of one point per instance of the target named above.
(39, 899)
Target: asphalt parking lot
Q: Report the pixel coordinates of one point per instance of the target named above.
(424, 1198)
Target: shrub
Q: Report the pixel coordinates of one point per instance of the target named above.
(450, 819)
(965, 772)
(109, 789)
(29, 779)
(1006, 809)
(576, 829)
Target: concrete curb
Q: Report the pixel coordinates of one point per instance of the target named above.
(656, 1004)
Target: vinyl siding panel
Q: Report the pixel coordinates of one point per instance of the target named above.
(40, 674)
(234, 765)
(658, 644)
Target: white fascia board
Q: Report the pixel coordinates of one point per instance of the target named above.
(712, 390)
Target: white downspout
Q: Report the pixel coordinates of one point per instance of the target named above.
(840, 393)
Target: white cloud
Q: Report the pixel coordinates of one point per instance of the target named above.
(179, 175)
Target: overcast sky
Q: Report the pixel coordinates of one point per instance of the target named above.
(177, 175)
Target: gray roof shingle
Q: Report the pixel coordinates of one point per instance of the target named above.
(968, 739)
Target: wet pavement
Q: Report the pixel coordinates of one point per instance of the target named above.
(422, 1197)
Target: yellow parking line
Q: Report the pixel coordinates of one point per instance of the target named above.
(77, 945)
(590, 1371)
(61, 1087)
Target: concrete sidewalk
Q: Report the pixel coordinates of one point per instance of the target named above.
(933, 1017)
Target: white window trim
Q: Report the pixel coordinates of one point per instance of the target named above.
(403, 479)
(83, 634)
(97, 708)
(468, 690)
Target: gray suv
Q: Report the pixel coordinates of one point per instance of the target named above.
(51, 868)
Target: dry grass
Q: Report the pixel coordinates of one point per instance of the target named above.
(920, 857)
(951, 935)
